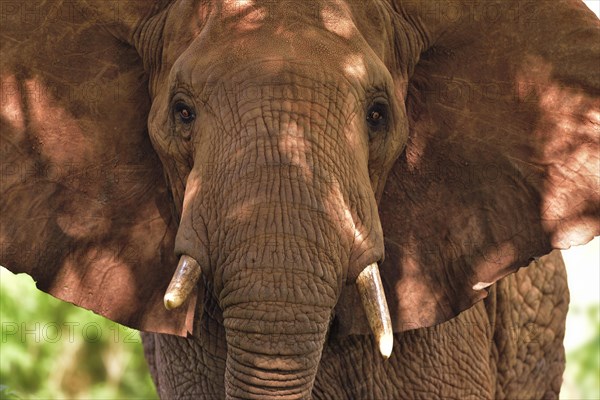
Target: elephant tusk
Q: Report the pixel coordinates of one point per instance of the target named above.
(185, 278)
(373, 300)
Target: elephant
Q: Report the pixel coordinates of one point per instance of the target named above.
(329, 199)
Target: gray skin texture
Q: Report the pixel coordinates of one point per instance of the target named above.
(285, 146)
(506, 347)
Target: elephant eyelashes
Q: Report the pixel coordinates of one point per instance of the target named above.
(377, 117)
(184, 113)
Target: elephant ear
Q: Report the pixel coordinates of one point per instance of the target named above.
(85, 208)
(502, 162)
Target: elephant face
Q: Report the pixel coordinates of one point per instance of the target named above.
(256, 122)
(273, 155)
(280, 150)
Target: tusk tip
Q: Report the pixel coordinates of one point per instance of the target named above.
(183, 282)
(171, 301)
(386, 343)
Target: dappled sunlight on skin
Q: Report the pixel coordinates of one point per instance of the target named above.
(192, 188)
(187, 240)
(304, 38)
(422, 282)
(294, 158)
(355, 140)
(240, 212)
(102, 266)
(493, 264)
(569, 127)
(80, 228)
(231, 7)
(338, 205)
(415, 153)
(337, 21)
(354, 67)
(11, 103)
(252, 20)
(244, 15)
(295, 147)
(534, 71)
(406, 313)
(44, 114)
(89, 209)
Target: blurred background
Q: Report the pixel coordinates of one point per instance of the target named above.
(50, 349)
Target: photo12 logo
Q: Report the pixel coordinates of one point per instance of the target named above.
(53, 332)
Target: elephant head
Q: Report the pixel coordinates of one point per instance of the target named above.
(292, 161)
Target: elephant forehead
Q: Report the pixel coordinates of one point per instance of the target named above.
(245, 15)
(235, 33)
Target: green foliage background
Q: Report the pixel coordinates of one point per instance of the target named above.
(50, 349)
(582, 376)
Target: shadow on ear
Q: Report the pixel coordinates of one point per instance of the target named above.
(502, 163)
(85, 209)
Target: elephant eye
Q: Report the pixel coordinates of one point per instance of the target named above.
(377, 116)
(184, 113)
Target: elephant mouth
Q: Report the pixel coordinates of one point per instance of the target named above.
(368, 284)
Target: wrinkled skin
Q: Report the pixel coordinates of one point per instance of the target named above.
(508, 346)
(285, 147)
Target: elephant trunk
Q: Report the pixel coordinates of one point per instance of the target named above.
(272, 353)
(277, 298)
